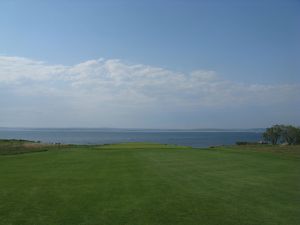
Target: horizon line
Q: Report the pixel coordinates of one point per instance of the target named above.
(127, 128)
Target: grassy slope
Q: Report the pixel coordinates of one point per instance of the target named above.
(139, 184)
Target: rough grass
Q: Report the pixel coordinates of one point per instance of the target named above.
(12, 146)
(151, 184)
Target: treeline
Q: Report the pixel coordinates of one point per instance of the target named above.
(282, 134)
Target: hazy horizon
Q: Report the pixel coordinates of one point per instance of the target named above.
(134, 128)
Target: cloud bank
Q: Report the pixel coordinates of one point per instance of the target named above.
(105, 92)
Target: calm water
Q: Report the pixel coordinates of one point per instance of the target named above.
(81, 136)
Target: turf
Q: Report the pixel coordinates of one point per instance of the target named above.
(149, 184)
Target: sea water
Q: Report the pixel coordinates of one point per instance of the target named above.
(108, 136)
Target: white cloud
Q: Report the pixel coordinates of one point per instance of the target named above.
(16, 69)
(115, 80)
(95, 84)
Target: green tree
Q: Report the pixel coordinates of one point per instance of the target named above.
(298, 136)
(273, 134)
(290, 134)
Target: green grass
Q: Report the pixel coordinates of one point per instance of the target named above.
(149, 184)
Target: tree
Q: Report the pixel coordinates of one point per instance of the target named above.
(298, 136)
(273, 134)
(290, 134)
(283, 133)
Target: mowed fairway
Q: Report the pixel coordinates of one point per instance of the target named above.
(149, 184)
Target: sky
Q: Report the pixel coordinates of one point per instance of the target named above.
(149, 64)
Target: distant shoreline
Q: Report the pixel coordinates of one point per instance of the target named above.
(258, 130)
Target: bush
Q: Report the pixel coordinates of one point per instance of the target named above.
(241, 143)
(248, 143)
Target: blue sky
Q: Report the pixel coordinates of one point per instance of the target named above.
(237, 48)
